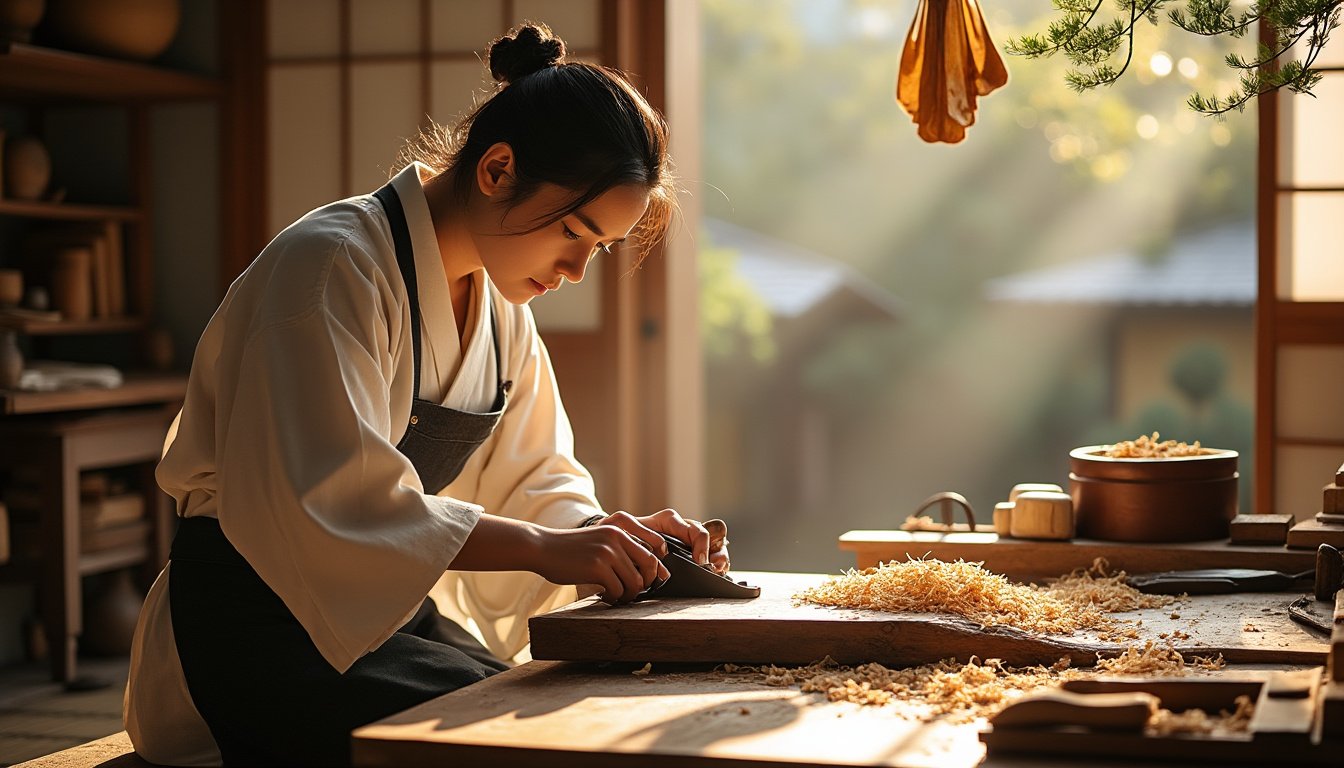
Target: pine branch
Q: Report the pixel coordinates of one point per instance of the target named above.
(1090, 42)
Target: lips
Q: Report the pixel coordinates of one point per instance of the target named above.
(538, 287)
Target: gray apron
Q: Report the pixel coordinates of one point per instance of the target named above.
(266, 693)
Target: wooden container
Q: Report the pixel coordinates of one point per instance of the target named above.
(1186, 498)
(72, 283)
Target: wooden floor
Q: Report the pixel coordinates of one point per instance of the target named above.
(38, 717)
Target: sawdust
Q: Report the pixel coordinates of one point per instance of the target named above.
(1165, 722)
(1154, 448)
(1078, 600)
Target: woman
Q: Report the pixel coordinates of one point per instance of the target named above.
(371, 406)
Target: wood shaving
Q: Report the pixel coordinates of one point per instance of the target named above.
(1164, 722)
(1154, 659)
(644, 670)
(1153, 448)
(1075, 601)
(959, 692)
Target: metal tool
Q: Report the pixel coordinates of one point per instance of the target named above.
(947, 502)
(1216, 581)
(689, 579)
(1317, 610)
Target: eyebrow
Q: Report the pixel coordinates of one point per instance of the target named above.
(589, 223)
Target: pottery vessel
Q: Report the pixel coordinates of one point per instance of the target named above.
(130, 29)
(11, 287)
(27, 168)
(1184, 498)
(18, 17)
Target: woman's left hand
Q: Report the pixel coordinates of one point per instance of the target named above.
(669, 522)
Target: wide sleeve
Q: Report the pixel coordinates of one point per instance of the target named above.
(526, 471)
(312, 490)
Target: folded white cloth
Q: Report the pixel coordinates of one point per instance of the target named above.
(52, 375)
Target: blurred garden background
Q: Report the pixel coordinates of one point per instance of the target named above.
(884, 319)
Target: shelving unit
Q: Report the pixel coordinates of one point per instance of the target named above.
(49, 438)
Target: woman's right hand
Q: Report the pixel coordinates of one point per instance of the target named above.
(602, 555)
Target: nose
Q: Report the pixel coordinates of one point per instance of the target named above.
(572, 269)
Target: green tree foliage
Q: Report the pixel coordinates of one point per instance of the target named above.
(1092, 42)
(733, 318)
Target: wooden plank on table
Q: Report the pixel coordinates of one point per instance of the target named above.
(555, 714)
(1259, 529)
(1311, 533)
(1277, 713)
(1027, 560)
(774, 628)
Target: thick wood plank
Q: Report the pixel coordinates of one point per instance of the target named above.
(773, 628)
(34, 73)
(1259, 529)
(550, 714)
(1311, 533)
(1028, 560)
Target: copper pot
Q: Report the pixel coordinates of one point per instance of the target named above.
(132, 29)
(1185, 498)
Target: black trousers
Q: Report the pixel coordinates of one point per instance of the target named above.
(264, 690)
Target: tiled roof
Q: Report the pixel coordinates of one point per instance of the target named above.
(1216, 267)
(792, 280)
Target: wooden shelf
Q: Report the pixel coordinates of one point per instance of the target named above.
(138, 389)
(40, 209)
(101, 325)
(1027, 560)
(37, 74)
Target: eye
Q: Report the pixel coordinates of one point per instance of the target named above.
(569, 233)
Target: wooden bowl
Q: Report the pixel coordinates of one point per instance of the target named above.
(1185, 498)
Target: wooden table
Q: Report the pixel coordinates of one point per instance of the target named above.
(572, 713)
(53, 451)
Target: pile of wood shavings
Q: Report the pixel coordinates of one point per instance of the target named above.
(960, 692)
(1156, 660)
(1107, 591)
(1164, 722)
(1076, 601)
(961, 588)
(1153, 448)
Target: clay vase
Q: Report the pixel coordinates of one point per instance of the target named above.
(18, 17)
(27, 168)
(72, 283)
(11, 287)
(11, 360)
(128, 29)
(109, 618)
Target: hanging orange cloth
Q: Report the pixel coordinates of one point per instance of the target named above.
(947, 63)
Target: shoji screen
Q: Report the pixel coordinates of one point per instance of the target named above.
(1300, 323)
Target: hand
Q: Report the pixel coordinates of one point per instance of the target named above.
(608, 556)
(708, 550)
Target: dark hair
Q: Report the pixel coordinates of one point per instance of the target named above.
(579, 126)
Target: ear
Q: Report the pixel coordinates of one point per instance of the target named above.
(495, 169)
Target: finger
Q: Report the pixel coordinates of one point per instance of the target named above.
(636, 528)
(611, 587)
(669, 521)
(719, 559)
(650, 567)
(632, 581)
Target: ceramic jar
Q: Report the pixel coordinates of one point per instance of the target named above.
(11, 287)
(130, 29)
(27, 168)
(18, 17)
(11, 360)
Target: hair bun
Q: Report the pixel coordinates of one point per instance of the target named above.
(526, 49)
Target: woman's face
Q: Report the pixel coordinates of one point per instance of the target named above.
(524, 265)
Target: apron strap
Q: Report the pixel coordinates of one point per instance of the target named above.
(401, 240)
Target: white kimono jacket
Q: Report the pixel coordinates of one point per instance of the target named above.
(300, 390)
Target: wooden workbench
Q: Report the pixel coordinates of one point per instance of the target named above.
(593, 714)
(548, 714)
